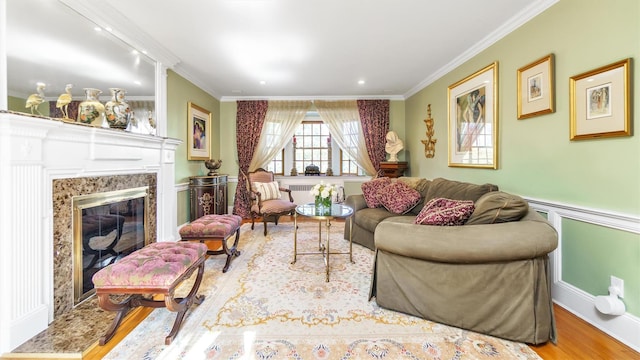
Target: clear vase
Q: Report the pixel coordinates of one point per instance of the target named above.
(91, 110)
(117, 110)
(323, 205)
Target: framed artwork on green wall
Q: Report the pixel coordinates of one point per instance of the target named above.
(473, 120)
(198, 133)
(536, 88)
(599, 102)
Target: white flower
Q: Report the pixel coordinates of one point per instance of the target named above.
(323, 190)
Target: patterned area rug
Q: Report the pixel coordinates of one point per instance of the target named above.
(264, 307)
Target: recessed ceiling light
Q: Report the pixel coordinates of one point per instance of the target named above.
(134, 52)
(262, 82)
(360, 82)
(98, 29)
(144, 52)
(108, 29)
(137, 82)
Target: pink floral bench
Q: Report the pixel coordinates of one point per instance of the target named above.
(215, 227)
(156, 269)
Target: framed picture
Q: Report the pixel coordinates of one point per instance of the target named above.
(473, 120)
(536, 88)
(599, 102)
(198, 133)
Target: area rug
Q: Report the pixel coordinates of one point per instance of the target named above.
(265, 307)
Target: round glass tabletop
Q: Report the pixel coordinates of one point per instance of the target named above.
(335, 211)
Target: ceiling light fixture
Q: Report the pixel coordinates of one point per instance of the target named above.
(98, 29)
(360, 82)
(262, 82)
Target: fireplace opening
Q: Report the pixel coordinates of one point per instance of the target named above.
(106, 227)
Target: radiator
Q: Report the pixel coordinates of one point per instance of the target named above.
(301, 193)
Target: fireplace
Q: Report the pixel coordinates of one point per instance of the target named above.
(45, 163)
(114, 205)
(106, 227)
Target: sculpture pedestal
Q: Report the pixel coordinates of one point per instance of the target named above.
(393, 169)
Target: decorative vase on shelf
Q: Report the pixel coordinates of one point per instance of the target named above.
(117, 110)
(91, 110)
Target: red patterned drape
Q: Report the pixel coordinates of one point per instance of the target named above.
(374, 117)
(249, 120)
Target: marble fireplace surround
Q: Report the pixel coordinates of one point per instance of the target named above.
(43, 162)
(63, 192)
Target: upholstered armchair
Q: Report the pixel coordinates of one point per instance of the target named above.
(266, 198)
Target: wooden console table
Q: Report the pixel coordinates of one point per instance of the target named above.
(393, 169)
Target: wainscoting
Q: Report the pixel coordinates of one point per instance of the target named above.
(625, 328)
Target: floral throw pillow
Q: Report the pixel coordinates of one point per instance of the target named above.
(445, 212)
(370, 190)
(398, 197)
(268, 191)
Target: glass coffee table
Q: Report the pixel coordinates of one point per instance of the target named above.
(323, 215)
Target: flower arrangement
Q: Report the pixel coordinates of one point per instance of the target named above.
(323, 193)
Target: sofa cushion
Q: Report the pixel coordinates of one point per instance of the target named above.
(370, 190)
(422, 186)
(457, 190)
(398, 198)
(368, 218)
(498, 207)
(446, 212)
(268, 191)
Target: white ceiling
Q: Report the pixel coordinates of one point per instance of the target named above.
(314, 48)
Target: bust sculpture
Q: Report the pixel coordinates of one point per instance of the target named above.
(393, 146)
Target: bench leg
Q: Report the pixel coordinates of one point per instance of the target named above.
(226, 250)
(181, 305)
(231, 252)
(122, 308)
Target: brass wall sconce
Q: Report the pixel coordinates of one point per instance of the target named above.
(430, 143)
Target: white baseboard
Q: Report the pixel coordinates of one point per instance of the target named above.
(625, 328)
(21, 329)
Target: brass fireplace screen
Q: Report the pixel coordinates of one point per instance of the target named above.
(106, 227)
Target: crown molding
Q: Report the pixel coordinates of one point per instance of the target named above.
(180, 70)
(311, 97)
(104, 15)
(530, 12)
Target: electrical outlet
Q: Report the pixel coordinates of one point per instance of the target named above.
(619, 283)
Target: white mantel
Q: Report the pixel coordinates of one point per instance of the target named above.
(33, 152)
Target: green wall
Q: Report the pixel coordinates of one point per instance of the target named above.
(179, 92)
(536, 157)
(18, 104)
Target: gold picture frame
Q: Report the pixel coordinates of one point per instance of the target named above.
(198, 133)
(599, 103)
(536, 88)
(473, 120)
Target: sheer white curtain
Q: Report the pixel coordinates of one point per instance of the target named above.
(343, 120)
(280, 124)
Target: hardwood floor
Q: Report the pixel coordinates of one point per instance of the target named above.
(577, 339)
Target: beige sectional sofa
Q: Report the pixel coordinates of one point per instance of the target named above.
(490, 275)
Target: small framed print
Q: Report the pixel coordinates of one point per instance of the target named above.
(198, 133)
(473, 120)
(599, 102)
(536, 88)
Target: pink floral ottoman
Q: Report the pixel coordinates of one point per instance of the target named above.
(215, 227)
(156, 269)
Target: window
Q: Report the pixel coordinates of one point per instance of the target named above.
(277, 164)
(312, 146)
(348, 165)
